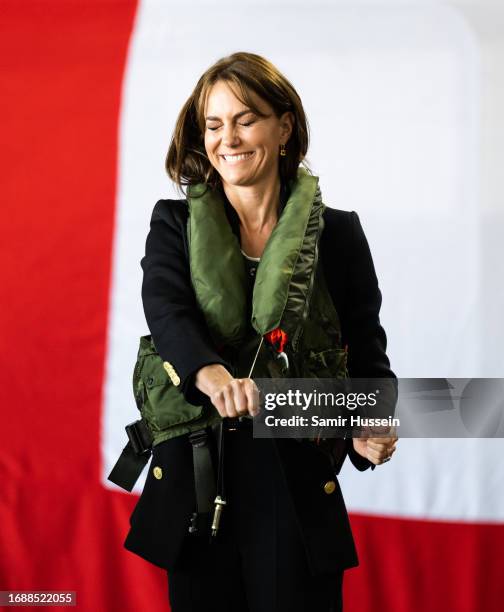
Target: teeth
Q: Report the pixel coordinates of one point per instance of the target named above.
(236, 157)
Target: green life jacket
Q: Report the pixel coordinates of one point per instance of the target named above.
(289, 293)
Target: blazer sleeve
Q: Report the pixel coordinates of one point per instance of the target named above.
(354, 288)
(176, 322)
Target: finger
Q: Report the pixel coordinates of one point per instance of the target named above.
(227, 392)
(239, 397)
(377, 457)
(373, 459)
(387, 441)
(217, 400)
(388, 455)
(377, 446)
(252, 394)
(374, 456)
(380, 446)
(256, 397)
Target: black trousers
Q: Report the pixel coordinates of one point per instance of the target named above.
(257, 563)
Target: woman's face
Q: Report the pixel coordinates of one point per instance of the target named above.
(240, 145)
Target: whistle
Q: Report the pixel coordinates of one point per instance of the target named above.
(219, 505)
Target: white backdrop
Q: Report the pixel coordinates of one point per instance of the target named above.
(402, 100)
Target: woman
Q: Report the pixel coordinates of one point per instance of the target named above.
(250, 267)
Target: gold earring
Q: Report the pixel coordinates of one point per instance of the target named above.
(283, 151)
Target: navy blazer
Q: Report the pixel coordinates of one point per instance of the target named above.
(159, 521)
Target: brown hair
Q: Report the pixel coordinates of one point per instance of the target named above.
(187, 162)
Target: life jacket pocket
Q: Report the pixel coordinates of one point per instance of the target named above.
(160, 402)
(329, 363)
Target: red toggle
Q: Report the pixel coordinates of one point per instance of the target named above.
(277, 338)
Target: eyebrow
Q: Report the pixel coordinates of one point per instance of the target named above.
(237, 116)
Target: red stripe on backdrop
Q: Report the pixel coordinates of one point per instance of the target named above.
(62, 65)
(416, 566)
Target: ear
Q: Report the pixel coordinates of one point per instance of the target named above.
(286, 126)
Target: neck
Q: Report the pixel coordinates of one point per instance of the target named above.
(256, 205)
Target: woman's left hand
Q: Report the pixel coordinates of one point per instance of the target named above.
(376, 450)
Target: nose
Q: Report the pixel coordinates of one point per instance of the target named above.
(230, 136)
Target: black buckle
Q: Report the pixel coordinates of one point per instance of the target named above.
(140, 437)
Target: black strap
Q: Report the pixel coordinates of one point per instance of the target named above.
(220, 498)
(128, 468)
(204, 478)
(220, 474)
(134, 456)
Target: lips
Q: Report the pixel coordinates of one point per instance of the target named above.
(237, 157)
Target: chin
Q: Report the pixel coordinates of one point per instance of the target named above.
(237, 179)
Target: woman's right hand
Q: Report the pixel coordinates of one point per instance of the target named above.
(232, 397)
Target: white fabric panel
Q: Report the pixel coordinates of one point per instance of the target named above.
(394, 95)
(438, 479)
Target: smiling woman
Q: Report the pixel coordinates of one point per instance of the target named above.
(254, 94)
(249, 276)
(242, 145)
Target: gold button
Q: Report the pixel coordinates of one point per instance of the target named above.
(158, 472)
(170, 370)
(330, 487)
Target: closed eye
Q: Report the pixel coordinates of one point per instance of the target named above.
(212, 128)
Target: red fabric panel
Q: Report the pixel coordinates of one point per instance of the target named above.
(62, 65)
(417, 566)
